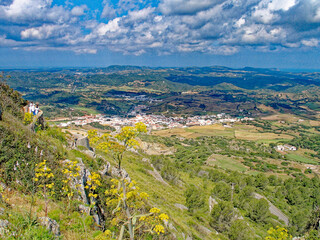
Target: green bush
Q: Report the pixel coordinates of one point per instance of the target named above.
(195, 198)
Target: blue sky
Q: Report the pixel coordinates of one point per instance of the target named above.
(234, 33)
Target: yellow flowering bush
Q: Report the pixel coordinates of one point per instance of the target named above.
(106, 235)
(154, 221)
(44, 175)
(44, 181)
(130, 208)
(27, 118)
(93, 182)
(118, 145)
(70, 171)
(279, 233)
(128, 134)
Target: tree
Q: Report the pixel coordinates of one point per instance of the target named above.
(240, 230)
(261, 181)
(222, 215)
(258, 210)
(125, 139)
(222, 190)
(194, 198)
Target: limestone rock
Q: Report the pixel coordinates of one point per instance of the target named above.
(120, 173)
(180, 206)
(85, 209)
(3, 227)
(212, 202)
(83, 141)
(51, 225)
(90, 153)
(203, 173)
(105, 169)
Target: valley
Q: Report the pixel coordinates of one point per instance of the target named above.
(225, 153)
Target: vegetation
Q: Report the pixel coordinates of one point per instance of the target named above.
(207, 183)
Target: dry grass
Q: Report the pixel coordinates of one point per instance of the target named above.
(247, 135)
(281, 117)
(239, 130)
(265, 108)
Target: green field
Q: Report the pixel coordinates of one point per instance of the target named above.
(301, 159)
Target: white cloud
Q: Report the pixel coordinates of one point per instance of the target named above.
(141, 14)
(43, 32)
(112, 26)
(79, 10)
(137, 27)
(21, 11)
(310, 42)
(177, 7)
(108, 11)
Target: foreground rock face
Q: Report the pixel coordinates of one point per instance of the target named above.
(79, 184)
(112, 171)
(84, 142)
(51, 225)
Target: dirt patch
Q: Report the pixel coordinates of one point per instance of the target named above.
(156, 149)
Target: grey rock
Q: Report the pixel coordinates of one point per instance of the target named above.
(85, 209)
(79, 183)
(121, 173)
(83, 141)
(212, 202)
(204, 230)
(157, 175)
(105, 169)
(202, 173)
(90, 153)
(1, 211)
(4, 223)
(51, 225)
(180, 206)
(3, 227)
(273, 209)
(171, 227)
(3, 186)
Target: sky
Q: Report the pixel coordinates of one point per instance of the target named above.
(92, 33)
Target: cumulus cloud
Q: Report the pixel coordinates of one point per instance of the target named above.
(43, 32)
(108, 11)
(186, 7)
(28, 11)
(310, 42)
(78, 10)
(169, 26)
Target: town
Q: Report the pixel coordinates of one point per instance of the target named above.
(155, 122)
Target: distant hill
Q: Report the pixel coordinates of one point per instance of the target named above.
(88, 88)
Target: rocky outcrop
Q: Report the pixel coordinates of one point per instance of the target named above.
(274, 210)
(79, 184)
(112, 171)
(38, 120)
(84, 142)
(4, 227)
(180, 206)
(51, 225)
(157, 175)
(212, 202)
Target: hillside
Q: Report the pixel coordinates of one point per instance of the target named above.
(217, 183)
(169, 90)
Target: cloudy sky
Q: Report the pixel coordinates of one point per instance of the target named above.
(234, 33)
